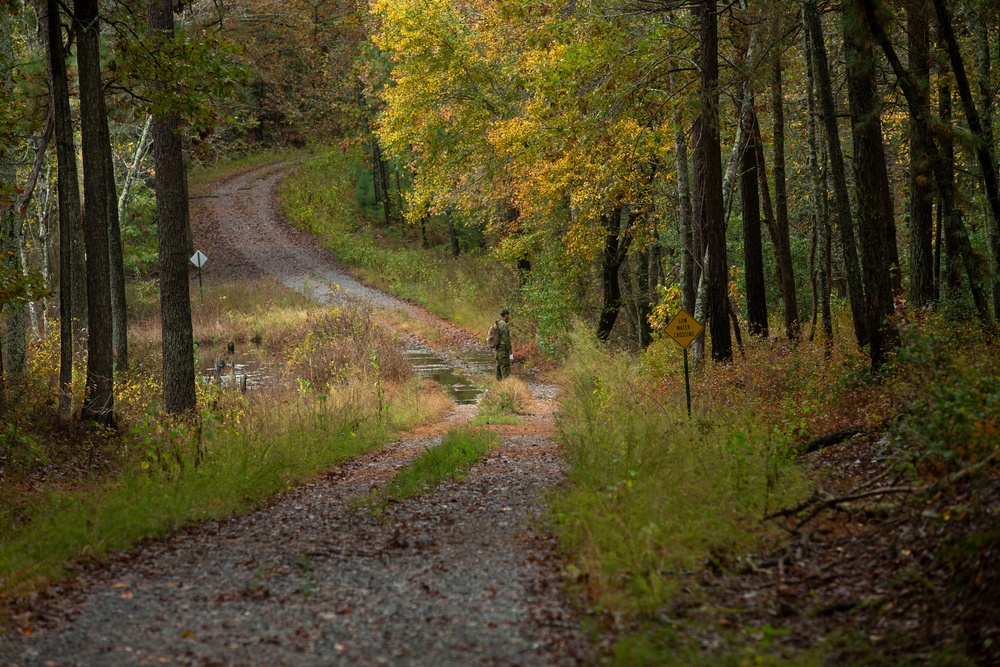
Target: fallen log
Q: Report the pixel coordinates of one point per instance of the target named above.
(829, 439)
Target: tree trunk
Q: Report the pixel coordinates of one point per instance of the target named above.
(69, 199)
(985, 85)
(686, 231)
(617, 239)
(98, 405)
(116, 256)
(782, 241)
(453, 235)
(819, 270)
(921, 191)
(821, 72)
(952, 280)
(173, 216)
(10, 230)
(753, 251)
(984, 154)
(869, 170)
(952, 217)
(712, 212)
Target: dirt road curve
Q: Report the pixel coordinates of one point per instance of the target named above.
(456, 578)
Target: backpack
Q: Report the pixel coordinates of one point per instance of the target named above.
(493, 335)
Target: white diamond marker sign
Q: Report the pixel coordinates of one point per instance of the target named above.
(199, 258)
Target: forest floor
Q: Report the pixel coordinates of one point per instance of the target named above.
(458, 577)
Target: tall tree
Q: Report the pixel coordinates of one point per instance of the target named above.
(173, 218)
(817, 206)
(116, 267)
(98, 403)
(753, 251)
(842, 201)
(709, 147)
(782, 241)
(10, 227)
(69, 197)
(981, 28)
(869, 173)
(951, 281)
(921, 189)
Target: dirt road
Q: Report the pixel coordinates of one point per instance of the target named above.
(460, 577)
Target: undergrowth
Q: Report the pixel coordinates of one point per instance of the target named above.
(656, 501)
(653, 495)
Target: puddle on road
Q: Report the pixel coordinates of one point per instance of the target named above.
(461, 388)
(455, 377)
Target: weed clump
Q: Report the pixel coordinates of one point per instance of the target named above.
(503, 402)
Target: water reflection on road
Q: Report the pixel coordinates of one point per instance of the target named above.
(456, 379)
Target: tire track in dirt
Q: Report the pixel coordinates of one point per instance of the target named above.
(459, 577)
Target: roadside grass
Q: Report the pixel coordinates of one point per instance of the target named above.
(452, 458)
(186, 474)
(319, 197)
(503, 402)
(653, 496)
(338, 385)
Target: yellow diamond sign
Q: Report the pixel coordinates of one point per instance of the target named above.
(683, 329)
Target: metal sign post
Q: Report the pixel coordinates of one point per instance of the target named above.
(684, 329)
(198, 259)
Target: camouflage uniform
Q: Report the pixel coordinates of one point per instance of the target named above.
(503, 350)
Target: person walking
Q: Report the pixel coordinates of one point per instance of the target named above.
(504, 350)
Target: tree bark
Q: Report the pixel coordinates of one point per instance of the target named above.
(869, 171)
(753, 251)
(69, 198)
(174, 219)
(782, 241)
(712, 212)
(921, 190)
(952, 217)
(98, 405)
(984, 154)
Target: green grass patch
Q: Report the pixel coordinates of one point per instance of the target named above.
(459, 450)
